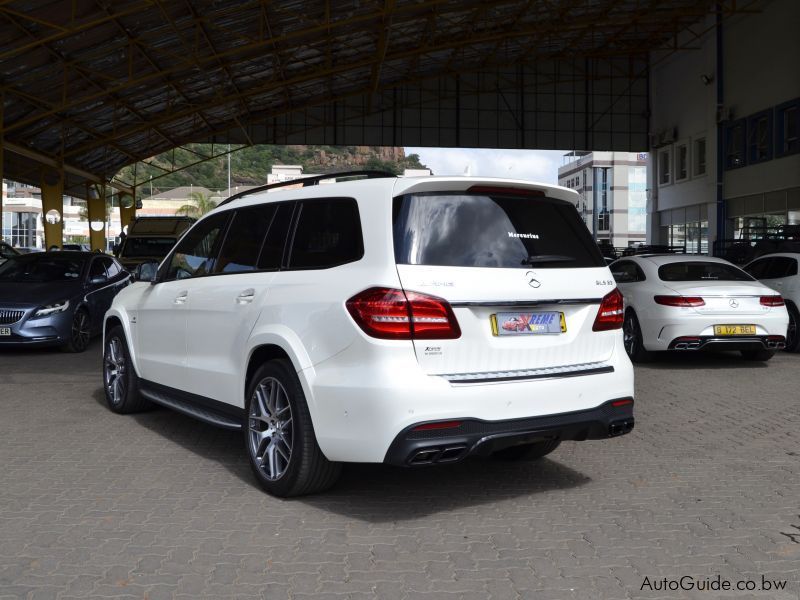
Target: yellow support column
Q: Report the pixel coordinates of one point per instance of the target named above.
(53, 207)
(96, 204)
(127, 209)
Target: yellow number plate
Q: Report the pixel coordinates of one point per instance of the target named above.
(734, 329)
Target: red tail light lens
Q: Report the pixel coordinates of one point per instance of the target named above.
(772, 300)
(393, 314)
(611, 314)
(684, 301)
(438, 425)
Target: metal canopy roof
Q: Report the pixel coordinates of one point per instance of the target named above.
(95, 85)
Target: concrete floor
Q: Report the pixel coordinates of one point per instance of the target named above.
(96, 505)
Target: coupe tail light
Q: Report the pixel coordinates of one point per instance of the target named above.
(683, 301)
(393, 314)
(772, 300)
(611, 314)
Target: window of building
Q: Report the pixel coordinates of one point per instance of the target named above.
(759, 141)
(328, 234)
(699, 156)
(787, 128)
(664, 167)
(734, 137)
(681, 162)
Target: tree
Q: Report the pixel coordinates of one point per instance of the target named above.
(201, 204)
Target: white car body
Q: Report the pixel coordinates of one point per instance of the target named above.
(779, 271)
(201, 336)
(665, 327)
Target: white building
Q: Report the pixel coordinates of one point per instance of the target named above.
(613, 190)
(756, 82)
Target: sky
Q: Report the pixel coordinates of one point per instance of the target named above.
(535, 165)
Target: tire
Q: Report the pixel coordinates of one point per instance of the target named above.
(279, 436)
(80, 332)
(120, 383)
(632, 339)
(792, 337)
(760, 355)
(527, 451)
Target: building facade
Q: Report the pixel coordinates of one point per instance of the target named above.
(741, 82)
(613, 193)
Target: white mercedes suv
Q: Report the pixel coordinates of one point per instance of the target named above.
(409, 321)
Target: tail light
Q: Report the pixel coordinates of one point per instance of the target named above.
(776, 300)
(611, 314)
(683, 301)
(393, 314)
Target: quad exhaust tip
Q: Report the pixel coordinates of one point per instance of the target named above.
(442, 454)
(620, 427)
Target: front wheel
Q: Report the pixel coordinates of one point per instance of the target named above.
(120, 383)
(632, 339)
(279, 435)
(759, 355)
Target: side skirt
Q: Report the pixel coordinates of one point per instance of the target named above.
(201, 408)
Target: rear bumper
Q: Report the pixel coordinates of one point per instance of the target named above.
(418, 447)
(755, 342)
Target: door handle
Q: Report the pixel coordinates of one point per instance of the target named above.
(181, 298)
(246, 296)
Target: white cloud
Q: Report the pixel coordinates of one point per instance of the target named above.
(534, 165)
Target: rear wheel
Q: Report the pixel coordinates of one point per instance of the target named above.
(279, 435)
(632, 339)
(80, 332)
(761, 355)
(527, 451)
(792, 339)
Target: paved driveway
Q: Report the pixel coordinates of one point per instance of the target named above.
(97, 505)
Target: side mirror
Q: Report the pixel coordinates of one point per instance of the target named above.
(146, 271)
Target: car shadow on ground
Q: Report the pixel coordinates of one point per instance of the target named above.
(373, 492)
(701, 360)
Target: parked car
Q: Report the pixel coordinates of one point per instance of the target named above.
(77, 247)
(56, 298)
(358, 322)
(150, 238)
(689, 303)
(779, 272)
(7, 251)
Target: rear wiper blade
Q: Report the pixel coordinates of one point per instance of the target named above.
(535, 259)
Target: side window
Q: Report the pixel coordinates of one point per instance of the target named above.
(625, 272)
(244, 239)
(275, 242)
(328, 234)
(113, 268)
(758, 268)
(194, 255)
(97, 269)
(782, 266)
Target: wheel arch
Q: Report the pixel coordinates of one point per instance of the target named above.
(114, 318)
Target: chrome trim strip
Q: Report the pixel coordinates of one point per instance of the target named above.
(524, 303)
(595, 368)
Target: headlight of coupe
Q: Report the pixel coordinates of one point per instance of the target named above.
(52, 309)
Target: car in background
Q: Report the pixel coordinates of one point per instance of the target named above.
(150, 239)
(7, 251)
(77, 247)
(363, 321)
(57, 298)
(690, 303)
(28, 249)
(779, 271)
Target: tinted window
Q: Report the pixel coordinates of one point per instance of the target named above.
(98, 269)
(41, 267)
(328, 233)
(244, 238)
(701, 271)
(758, 268)
(151, 247)
(781, 266)
(113, 268)
(194, 256)
(626, 272)
(475, 230)
(274, 244)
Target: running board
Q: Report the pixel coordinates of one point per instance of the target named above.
(197, 407)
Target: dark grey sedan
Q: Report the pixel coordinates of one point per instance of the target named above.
(57, 298)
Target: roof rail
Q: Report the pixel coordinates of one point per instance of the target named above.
(306, 181)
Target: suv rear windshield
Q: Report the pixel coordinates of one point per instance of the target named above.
(155, 247)
(491, 230)
(701, 271)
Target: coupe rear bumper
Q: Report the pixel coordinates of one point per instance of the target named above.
(755, 342)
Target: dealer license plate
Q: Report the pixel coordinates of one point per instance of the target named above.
(5, 330)
(725, 330)
(531, 323)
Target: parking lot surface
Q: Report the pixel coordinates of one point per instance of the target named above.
(97, 505)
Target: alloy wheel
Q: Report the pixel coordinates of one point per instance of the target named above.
(270, 428)
(114, 371)
(629, 335)
(791, 331)
(80, 330)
